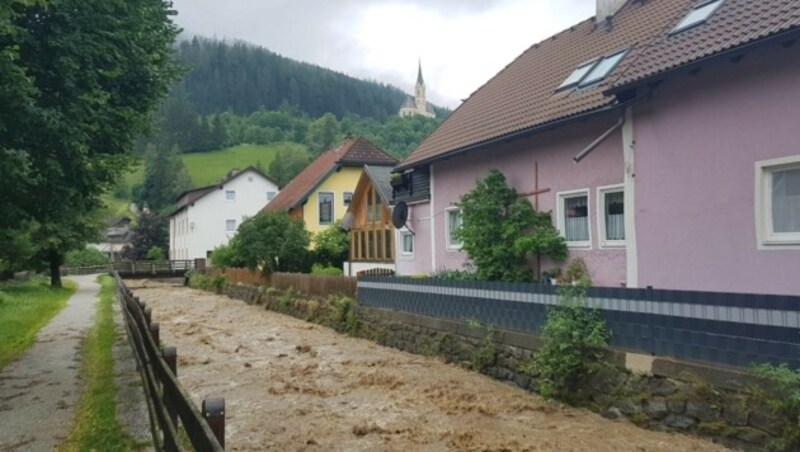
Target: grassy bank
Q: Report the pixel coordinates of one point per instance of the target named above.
(96, 426)
(25, 307)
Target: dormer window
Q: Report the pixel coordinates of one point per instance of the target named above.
(697, 15)
(593, 71)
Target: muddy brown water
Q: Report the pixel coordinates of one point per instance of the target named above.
(291, 385)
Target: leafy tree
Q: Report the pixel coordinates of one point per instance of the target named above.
(156, 253)
(87, 257)
(331, 246)
(272, 242)
(224, 256)
(165, 177)
(288, 163)
(150, 231)
(322, 133)
(88, 75)
(501, 231)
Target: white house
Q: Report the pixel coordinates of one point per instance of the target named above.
(207, 217)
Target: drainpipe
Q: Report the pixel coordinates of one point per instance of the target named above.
(581, 155)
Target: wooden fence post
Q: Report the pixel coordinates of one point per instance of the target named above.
(148, 313)
(214, 412)
(170, 355)
(155, 331)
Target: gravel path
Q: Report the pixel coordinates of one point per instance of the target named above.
(291, 385)
(38, 391)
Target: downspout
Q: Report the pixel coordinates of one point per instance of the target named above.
(433, 221)
(631, 250)
(581, 155)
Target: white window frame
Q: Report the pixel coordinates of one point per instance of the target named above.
(601, 216)
(227, 222)
(403, 234)
(449, 245)
(766, 239)
(319, 209)
(561, 197)
(230, 199)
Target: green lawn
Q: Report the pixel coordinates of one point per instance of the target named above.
(96, 426)
(25, 307)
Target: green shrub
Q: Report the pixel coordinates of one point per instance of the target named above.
(156, 253)
(783, 399)
(346, 315)
(87, 257)
(216, 283)
(572, 338)
(485, 354)
(224, 256)
(319, 269)
(455, 275)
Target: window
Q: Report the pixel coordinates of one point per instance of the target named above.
(407, 243)
(453, 224)
(230, 195)
(778, 202)
(270, 195)
(611, 216)
(697, 15)
(573, 218)
(230, 225)
(325, 208)
(593, 71)
(347, 197)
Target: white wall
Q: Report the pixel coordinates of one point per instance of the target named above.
(201, 227)
(351, 269)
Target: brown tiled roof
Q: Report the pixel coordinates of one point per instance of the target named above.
(733, 24)
(352, 152)
(523, 95)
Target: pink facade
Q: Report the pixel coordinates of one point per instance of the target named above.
(697, 143)
(554, 152)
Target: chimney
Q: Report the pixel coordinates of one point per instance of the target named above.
(607, 8)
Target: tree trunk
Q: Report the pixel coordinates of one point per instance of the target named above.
(55, 269)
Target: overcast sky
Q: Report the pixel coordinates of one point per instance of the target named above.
(462, 43)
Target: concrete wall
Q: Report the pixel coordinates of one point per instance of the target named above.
(697, 142)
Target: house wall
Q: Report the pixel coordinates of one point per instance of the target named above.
(206, 219)
(419, 221)
(516, 160)
(338, 182)
(697, 142)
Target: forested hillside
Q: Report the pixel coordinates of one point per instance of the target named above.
(242, 78)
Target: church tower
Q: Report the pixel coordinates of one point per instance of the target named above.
(419, 92)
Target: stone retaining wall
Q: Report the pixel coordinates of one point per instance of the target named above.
(655, 393)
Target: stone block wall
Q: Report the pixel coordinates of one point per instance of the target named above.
(660, 394)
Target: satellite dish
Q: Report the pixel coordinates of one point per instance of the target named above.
(347, 221)
(400, 214)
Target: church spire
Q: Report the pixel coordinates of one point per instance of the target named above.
(419, 74)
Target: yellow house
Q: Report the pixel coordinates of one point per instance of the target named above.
(321, 193)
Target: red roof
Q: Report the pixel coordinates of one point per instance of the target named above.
(733, 24)
(352, 152)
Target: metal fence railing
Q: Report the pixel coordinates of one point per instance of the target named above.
(723, 328)
(170, 407)
(133, 268)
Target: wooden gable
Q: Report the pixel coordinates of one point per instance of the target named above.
(371, 233)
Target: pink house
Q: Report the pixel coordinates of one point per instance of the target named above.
(662, 135)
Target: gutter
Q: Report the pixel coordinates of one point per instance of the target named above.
(514, 135)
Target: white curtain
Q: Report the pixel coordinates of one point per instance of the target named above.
(786, 201)
(576, 219)
(615, 216)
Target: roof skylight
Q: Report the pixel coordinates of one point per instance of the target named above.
(697, 16)
(593, 71)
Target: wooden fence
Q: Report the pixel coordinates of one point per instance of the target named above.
(170, 407)
(320, 285)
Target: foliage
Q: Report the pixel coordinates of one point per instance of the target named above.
(224, 257)
(87, 257)
(575, 272)
(287, 164)
(150, 230)
(331, 246)
(501, 231)
(455, 275)
(78, 81)
(156, 253)
(572, 337)
(272, 242)
(322, 133)
(485, 354)
(216, 283)
(25, 308)
(346, 313)
(782, 396)
(95, 426)
(319, 269)
(165, 177)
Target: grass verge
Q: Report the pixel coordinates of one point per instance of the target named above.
(25, 307)
(96, 426)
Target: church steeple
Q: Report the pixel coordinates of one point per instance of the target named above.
(419, 93)
(420, 81)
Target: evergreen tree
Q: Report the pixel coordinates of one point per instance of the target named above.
(322, 133)
(165, 177)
